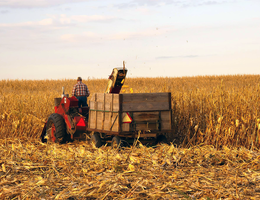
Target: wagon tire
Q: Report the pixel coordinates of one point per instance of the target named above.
(116, 142)
(56, 129)
(161, 139)
(96, 140)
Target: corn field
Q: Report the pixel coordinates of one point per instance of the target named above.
(214, 150)
(213, 110)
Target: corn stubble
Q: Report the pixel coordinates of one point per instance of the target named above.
(214, 154)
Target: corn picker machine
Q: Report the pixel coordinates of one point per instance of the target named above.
(111, 117)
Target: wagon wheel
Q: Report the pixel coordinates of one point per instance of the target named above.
(96, 140)
(56, 129)
(116, 142)
(161, 139)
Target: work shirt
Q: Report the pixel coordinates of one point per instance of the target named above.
(80, 89)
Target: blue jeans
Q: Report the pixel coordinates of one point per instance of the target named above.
(82, 101)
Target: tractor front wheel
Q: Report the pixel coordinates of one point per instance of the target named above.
(56, 129)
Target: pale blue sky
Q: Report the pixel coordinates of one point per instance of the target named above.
(56, 39)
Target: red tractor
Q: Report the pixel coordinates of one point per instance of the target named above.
(69, 121)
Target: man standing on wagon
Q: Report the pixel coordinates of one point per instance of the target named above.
(81, 92)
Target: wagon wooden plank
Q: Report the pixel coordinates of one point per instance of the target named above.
(125, 127)
(92, 105)
(94, 97)
(147, 135)
(107, 121)
(145, 116)
(145, 101)
(115, 122)
(165, 120)
(115, 102)
(108, 97)
(146, 127)
(92, 114)
(100, 97)
(100, 115)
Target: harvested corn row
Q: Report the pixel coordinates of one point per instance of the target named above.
(33, 170)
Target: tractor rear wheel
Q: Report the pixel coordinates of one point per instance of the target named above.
(116, 142)
(96, 140)
(56, 129)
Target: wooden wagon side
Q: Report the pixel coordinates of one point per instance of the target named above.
(150, 114)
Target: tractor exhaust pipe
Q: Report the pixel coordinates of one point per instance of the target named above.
(124, 67)
(63, 92)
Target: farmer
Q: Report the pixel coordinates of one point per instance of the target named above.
(80, 90)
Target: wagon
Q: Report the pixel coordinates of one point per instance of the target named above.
(124, 117)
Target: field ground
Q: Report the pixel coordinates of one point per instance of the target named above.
(214, 152)
(33, 170)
